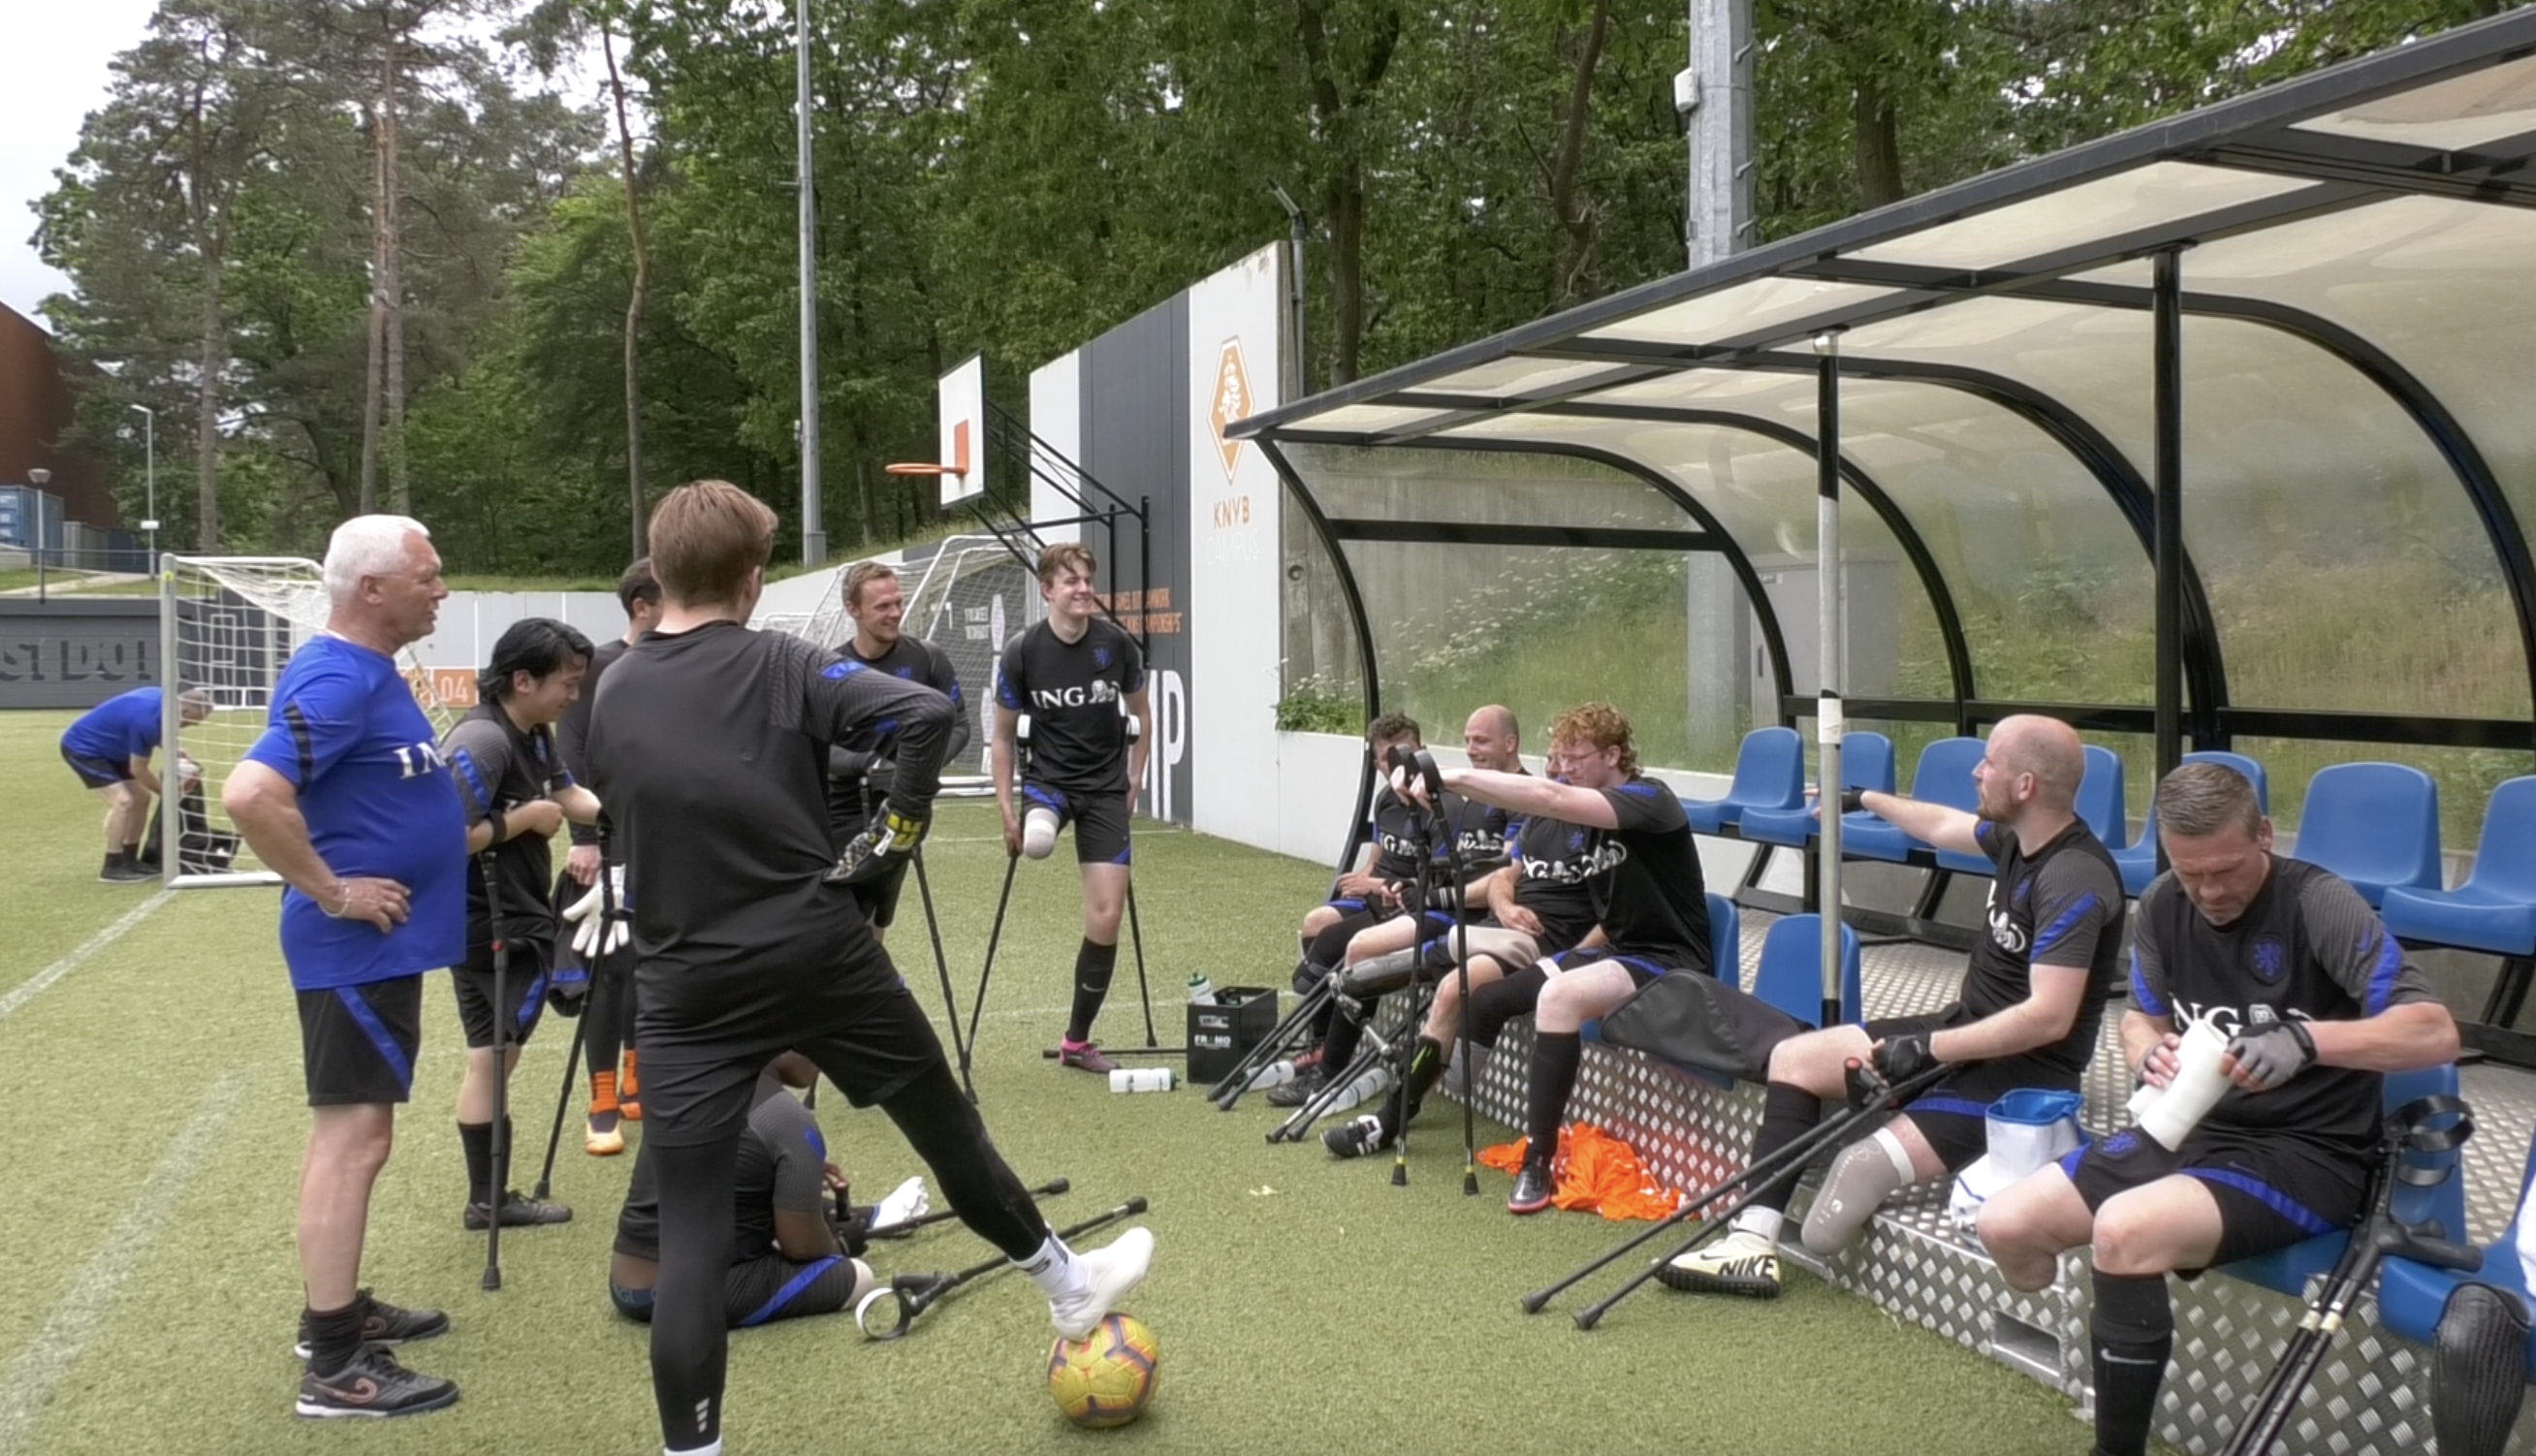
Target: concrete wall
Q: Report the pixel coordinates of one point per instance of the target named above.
(75, 652)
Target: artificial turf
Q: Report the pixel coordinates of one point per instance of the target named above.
(150, 1123)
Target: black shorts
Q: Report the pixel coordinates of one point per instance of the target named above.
(1954, 1115)
(762, 1292)
(1643, 970)
(705, 1041)
(524, 984)
(97, 773)
(356, 1043)
(1099, 821)
(2273, 1188)
(879, 896)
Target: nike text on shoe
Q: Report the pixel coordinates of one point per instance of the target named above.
(1741, 1263)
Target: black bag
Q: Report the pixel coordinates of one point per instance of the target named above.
(200, 848)
(1701, 1022)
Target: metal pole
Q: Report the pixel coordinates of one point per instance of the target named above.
(39, 479)
(2166, 353)
(170, 825)
(1828, 721)
(149, 479)
(1296, 374)
(814, 539)
(1714, 95)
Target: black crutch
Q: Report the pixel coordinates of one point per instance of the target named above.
(2380, 1234)
(942, 967)
(563, 1098)
(1295, 1029)
(1136, 938)
(978, 1011)
(501, 1072)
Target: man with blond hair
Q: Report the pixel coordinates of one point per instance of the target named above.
(709, 743)
(1079, 678)
(2032, 997)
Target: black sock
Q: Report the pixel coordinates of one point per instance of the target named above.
(333, 1337)
(1554, 1059)
(1425, 1064)
(478, 1139)
(2135, 1332)
(1329, 948)
(1787, 1112)
(1340, 1042)
(1094, 965)
(131, 853)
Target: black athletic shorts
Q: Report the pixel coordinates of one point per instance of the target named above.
(763, 1291)
(706, 1039)
(356, 1043)
(880, 896)
(1954, 1115)
(2273, 1188)
(1099, 821)
(524, 984)
(97, 773)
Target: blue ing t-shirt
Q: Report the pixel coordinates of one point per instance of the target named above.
(123, 726)
(378, 799)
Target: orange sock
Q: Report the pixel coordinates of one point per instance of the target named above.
(603, 1091)
(630, 1091)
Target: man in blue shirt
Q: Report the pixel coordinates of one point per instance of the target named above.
(109, 748)
(346, 796)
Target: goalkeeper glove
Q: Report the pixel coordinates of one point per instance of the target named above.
(882, 847)
(599, 916)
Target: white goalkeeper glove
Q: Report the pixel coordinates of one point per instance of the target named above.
(883, 844)
(599, 916)
(905, 1205)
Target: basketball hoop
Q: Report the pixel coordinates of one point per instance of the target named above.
(913, 468)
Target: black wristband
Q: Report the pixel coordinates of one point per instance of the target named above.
(501, 828)
(1852, 800)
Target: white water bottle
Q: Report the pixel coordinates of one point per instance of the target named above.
(1275, 1074)
(1143, 1079)
(1374, 1083)
(1201, 990)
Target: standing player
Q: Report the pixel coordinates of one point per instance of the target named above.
(605, 1035)
(518, 793)
(2034, 994)
(2317, 1000)
(109, 746)
(1075, 674)
(874, 602)
(345, 798)
(1653, 914)
(710, 743)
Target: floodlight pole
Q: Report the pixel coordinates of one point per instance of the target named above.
(1829, 724)
(1713, 95)
(814, 537)
(39, 478)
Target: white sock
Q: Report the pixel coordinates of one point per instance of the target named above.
(1053, 1269)
(712, 1450)
(1900, 1155)
(1765, 1222)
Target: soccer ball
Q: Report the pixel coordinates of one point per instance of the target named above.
(1107, 1377)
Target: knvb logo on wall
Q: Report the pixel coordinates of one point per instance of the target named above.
(1232, 401)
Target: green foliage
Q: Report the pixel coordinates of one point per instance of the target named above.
(1315, 704)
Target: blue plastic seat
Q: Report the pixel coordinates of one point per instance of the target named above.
(1944, 775)
(2288, 1269)
(1769, 774)
(2411, 1296)
(1866, 762)
(2376, 825)
(2495, 909)
(1790, 976)
(2137, 861)
(2100, 797)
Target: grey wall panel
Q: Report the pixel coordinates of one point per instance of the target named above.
(75, 652)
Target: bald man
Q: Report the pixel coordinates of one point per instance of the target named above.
(2032, 997)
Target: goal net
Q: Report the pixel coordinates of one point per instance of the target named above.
(227, 625)
(968, 598)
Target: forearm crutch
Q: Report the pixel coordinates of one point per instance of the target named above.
(1289, 1033)
(994, 937)
(2404, 1159)
(563, 1098)
(942, 968)
(501, 1071)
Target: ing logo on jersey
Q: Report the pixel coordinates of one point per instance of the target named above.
(2004, 933)
(422, 758)
(2268, 959)
(1074, 697)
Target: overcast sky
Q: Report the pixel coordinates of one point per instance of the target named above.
(52, 73)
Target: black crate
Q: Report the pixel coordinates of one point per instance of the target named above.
(1219, 1035)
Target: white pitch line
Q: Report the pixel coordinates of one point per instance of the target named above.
(33, 986)
(58, 1346)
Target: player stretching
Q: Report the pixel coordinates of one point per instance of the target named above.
(1070, 673)
(710, 743)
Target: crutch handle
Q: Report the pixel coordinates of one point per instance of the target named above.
(2398, 1242)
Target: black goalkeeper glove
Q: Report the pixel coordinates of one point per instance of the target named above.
(1901, 1059)
(883, 845)
(2268, 1057)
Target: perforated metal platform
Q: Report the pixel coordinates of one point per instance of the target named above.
(2368, 1398)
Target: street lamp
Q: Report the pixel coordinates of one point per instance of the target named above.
(150, 476)
(39, 478)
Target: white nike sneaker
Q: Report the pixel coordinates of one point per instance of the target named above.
(1109, 1274)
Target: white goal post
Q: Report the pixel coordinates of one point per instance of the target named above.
(227, 625)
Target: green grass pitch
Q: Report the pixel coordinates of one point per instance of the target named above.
(152, 1121)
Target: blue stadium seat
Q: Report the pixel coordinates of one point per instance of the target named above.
(2100, 797)
(1944, 775)
(2375, 824)
(1769, 774)
(2138, 860)
(2288, 1269)
(2495, 909)
(2411, 1296)
(1866, 762)
(1790, 976)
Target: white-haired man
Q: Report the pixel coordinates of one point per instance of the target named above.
(347, 799)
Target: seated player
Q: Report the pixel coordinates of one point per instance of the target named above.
(2317, 1002)
(2032, 997)
(109, 747)
(787, 1259)
(1653, 914)
(518, 793)
(856, 775)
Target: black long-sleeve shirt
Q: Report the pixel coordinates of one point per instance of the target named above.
(572, 731)
(710, 751)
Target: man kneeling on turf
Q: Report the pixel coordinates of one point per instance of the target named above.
(787, 1259)
(2032, 997)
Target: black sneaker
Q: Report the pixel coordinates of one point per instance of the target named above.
(1294, 1094)
(519, 1209)
(383, 1323)
(121, 871)
(1357, 1138)
(373, 1385)
(1531, 1191)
